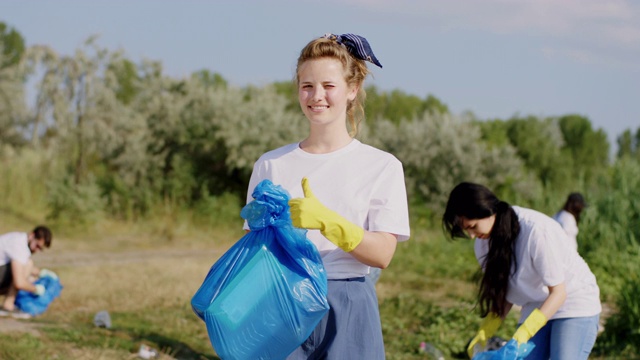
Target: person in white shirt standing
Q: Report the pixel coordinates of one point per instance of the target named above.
(17, 271)
(569, 216)
(526, 260)
(350, 196)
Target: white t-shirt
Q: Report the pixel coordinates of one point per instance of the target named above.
(546, 258)
(569, 224)
(14, 246)
(362, 183)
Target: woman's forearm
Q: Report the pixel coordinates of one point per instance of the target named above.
(557, 297)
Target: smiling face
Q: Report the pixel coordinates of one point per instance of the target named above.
(323, 92)
(478, 228)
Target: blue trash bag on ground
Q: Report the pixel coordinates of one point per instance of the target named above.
(267, 293)
(510, 351)
(34, 304)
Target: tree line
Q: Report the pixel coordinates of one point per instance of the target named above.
(124, 136)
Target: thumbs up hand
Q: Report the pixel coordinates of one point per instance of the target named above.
(309, 213)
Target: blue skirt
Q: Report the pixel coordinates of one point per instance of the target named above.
(351, 328)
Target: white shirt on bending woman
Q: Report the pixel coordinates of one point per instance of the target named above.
(545, 258)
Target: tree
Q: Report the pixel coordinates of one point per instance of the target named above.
(401, 106)
(629, 144)
(397, 106)
(494, 132)
(538, 142)
(439, 150)
(85, 126)
(375, 104)
(13, 109)
(433, 104)
(210, 79)
(588, 149)
(625, 144)
(289, 90)
(12, 45)
(126, 77)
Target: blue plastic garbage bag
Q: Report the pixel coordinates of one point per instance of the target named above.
(510, 351)
(34, 304)
(268, 292)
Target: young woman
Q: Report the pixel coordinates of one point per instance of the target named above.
(569, 216)
(349, 195)
(527, 260)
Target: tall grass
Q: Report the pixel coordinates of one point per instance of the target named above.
(23, 185)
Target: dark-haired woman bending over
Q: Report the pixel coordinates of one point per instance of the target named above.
(523, 263)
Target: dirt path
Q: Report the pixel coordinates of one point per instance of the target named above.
(71, 258)
(9, 325)
(80, 259)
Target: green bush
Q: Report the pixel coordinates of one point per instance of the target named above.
(218, 210)
(73, 204)
(21, 181)
(622, 329)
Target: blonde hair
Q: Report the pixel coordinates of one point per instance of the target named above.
(355, 72)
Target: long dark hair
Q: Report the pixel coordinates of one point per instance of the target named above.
(474, 201)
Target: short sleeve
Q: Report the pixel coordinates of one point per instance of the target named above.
(389, 210)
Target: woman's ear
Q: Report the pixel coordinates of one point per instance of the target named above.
(353, 93)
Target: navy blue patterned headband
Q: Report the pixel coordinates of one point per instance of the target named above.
(357, 45)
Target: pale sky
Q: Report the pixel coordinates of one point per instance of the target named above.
(495, 58)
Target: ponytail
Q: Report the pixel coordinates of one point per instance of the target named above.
(500, 262)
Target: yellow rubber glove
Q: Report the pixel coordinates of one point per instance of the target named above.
(534, 322)
(488, 327)
(310, 213)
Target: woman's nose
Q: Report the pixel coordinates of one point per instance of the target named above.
(318, 94)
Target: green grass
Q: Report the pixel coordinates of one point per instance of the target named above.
(174, 331)
(427, 295)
